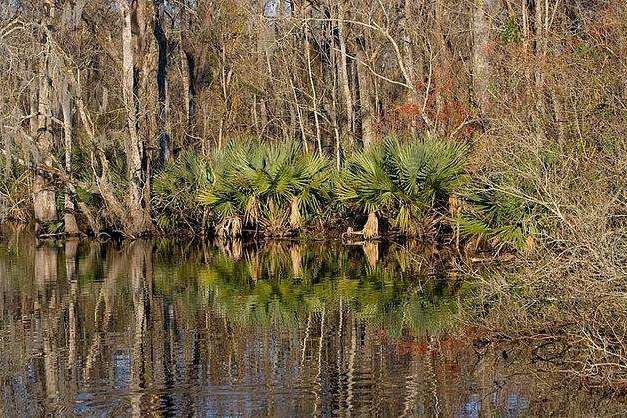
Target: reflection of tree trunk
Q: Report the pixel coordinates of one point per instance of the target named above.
(412, 387)
(45, 270)
(319, 373)
(139, 271)
(106, 297)
(351, 366)
(45, 265)
(431, 375)
(50, 352)
(305, 339)
(71, 247)
(340, 355)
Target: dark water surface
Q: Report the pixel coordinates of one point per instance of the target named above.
(165, 328)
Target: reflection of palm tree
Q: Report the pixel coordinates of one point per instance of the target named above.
(383, 295)
(329, 288)
(371, 250)
(296, 257)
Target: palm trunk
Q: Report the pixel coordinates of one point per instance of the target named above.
(371, 229)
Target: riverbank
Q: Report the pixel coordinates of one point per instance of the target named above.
(420, 188)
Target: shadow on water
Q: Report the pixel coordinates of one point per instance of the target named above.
(282, 329)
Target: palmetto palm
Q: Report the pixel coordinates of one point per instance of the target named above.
(175, 192)
(403, 183)
(271, 187)
(502, 219)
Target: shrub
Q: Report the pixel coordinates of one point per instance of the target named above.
(502, 219)
(406, 184)
(176, 188)
(273, 188)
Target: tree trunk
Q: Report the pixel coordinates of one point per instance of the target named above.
(162, 86)
(482, 14)
(367, 112)
(136, 222)
(314, 95)
(69, 218)
(44, 196)
(413, 67)
(345, 81)
(7, 143)
(541, 46)
(442, 76)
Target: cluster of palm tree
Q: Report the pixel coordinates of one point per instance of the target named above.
(281, 189)
(175, 193)
(409, 185)
(273, 188)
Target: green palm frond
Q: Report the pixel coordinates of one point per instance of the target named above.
(501, 218)
(263, 183)
(403, 182)
(175, 190)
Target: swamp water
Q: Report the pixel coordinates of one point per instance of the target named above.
(281, 329)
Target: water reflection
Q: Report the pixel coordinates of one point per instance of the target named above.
(237, 329)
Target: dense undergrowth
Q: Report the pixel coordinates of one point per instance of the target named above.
(420, 188)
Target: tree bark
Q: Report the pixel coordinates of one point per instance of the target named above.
(136, 222)
(366, 107)
(44, 195)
